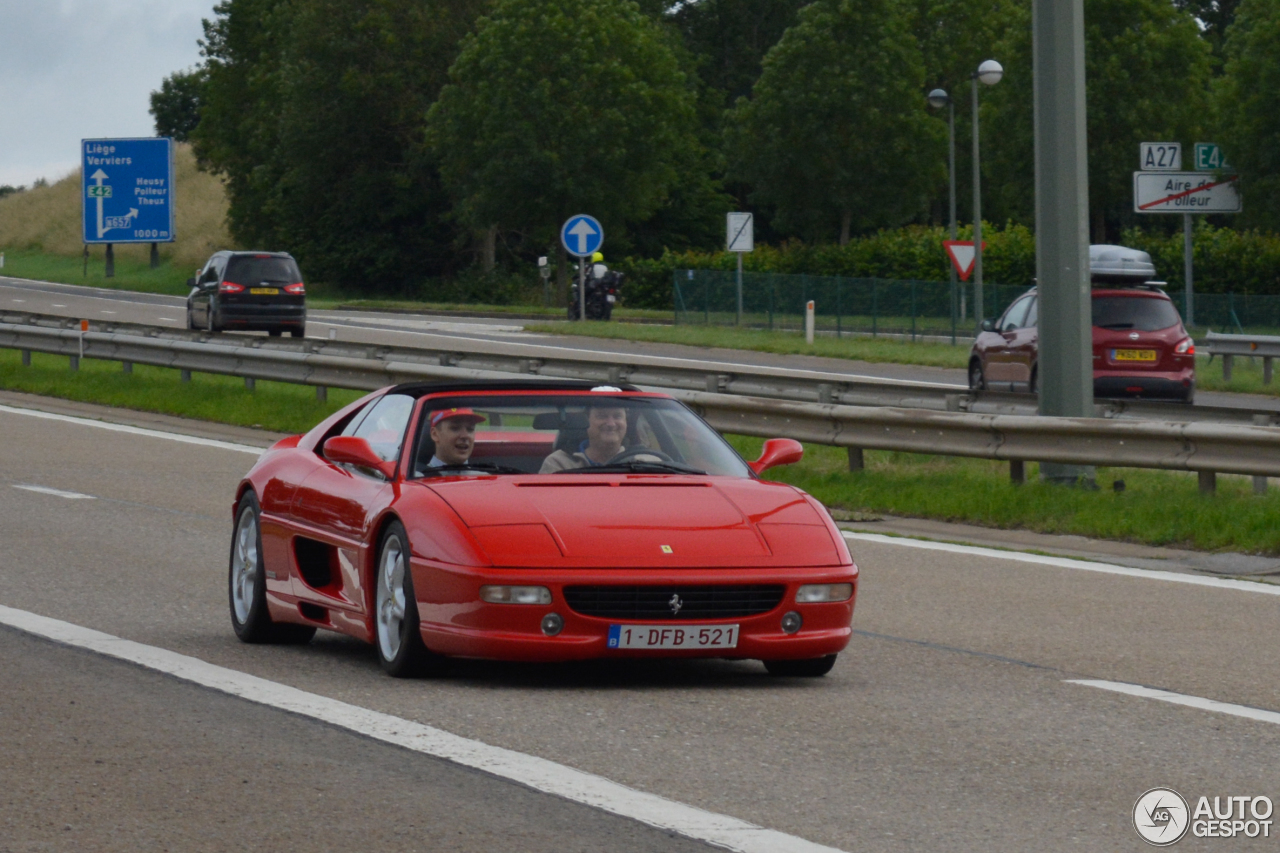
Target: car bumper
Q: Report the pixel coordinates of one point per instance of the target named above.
(1175, 385)
(261, 316)
(457, 623)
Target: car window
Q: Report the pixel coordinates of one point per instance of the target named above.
(251, 269)
(1033, 314)
(382, 424)
(1014, 317)
(1139, 313)
(520, 433)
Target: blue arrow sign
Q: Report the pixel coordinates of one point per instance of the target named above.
(127, 190)
(581, 235)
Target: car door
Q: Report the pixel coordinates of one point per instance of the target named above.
(1001, 370)
(1022, 347)
(336, 504)
(206, 284)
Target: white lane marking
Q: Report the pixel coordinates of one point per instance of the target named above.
(1067, 563)
(169, 319)
(105, 311)
(531, 771)
(19, 300)
(45, 490)
(1181, 699)
(133, 430)
(57, 305)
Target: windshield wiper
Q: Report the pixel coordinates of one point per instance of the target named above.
(486, 467)
(637, 467)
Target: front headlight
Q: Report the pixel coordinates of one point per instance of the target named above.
(515, 594)
(815, 593)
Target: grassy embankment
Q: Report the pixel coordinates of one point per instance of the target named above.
(1246, 375)
(1160, 508)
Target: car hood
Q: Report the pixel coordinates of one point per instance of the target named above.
(641, 521)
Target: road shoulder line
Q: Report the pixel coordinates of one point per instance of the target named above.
(133, 430)
(1066, 563)
(1198, 702)
(537, 773)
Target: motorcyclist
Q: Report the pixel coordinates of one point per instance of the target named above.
(598, 268)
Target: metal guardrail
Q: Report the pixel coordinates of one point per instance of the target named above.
(1229, 347)
(342, 364)
(1207, 448)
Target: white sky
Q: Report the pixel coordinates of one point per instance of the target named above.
(80, 69)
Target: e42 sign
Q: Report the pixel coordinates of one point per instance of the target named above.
(127, 190)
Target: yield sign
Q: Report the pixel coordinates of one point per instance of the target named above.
(962, 255)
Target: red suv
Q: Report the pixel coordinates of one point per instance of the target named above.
(1140, 347)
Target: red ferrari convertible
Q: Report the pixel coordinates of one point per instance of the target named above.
(538, 521)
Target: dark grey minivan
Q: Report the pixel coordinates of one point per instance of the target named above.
(251, 291)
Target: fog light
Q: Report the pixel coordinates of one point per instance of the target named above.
(515, 594)
(818, 592)
(552, 624)
(791, 622)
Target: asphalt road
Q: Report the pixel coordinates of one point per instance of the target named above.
(426, 330)
(950, 722)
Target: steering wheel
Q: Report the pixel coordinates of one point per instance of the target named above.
(633, 452)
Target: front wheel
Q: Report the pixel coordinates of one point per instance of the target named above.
(808, 668)
(977, 381)
(400, 648)
(247, 584)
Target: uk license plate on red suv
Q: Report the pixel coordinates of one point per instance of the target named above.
(668, 637)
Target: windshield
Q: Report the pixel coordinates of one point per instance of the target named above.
(251, 269)
(568, 434)
(1139, 313)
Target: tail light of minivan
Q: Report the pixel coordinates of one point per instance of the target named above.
(295, 289)
(1185, 347)
(230, 287)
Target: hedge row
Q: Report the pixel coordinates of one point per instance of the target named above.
(1225, 260)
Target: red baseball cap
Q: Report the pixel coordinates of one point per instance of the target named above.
(437, 417)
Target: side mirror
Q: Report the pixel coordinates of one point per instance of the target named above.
(778, 451)
(349, 450)
(988, 325)
(191, 282)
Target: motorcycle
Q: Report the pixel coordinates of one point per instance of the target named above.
(602, 294)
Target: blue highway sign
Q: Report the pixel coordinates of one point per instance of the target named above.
(581, 235)
(128, 190)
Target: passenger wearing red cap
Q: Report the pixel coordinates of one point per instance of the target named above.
(454, 433)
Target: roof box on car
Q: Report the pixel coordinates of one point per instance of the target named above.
(1119, 265)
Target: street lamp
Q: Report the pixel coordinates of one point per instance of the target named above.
(989, 72)
(938, 99)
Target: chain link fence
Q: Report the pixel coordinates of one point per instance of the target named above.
(904, 308)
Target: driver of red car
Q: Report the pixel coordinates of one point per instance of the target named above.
(454, 433)
(606, 430)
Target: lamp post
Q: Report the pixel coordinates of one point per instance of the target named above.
(938, 99)
(989, 72)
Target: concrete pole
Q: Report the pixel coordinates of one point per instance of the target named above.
(1062, 220)
(977, 216)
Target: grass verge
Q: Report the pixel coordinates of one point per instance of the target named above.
(133, 270)
(276, 406)
(1155, 508)
(786, 343)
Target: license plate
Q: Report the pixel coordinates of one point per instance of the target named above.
(264, 291)
(612, 299)
(667, 637)
(1133, 355)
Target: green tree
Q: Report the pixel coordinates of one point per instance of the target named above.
(835, 134)
(175, 106)
(731, 37)
(1215, 17)
(1248, 97)
(557, 107)
(1147, 78)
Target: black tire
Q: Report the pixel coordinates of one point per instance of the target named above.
(807, 668)
(299, 332)
(573, 310)
(977, 381)
(1035, 380)
(275, 333)
(398, 639)
(246, 583)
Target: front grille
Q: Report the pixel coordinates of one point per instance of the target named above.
(656, 602)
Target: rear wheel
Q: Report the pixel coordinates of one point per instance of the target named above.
(977, 381)
(808, 668)
(1035, 380)
(247, 584)
(275, 333)
(400, 648)
(299, 332)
